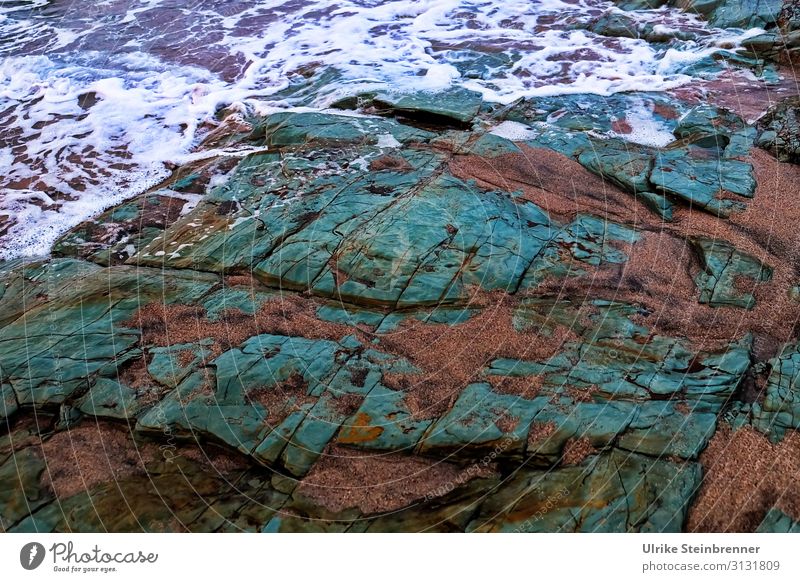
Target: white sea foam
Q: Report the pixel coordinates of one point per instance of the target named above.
(95, 98)
(514, 130)
(646, 129)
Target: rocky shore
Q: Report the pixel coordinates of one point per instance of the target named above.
(425, 312)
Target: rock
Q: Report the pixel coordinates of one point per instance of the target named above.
(779, 130)
(723, 270)
(703, 167)
(482, 420)
(618, 24)
(482, 65)
(735, 13)
(260, 354)
(586, 382)
(26, 284)
(780, 410)
(8, 401)
(47, 354)
(703, 182)
(719, 13)
(407, 235)
(716, 129)
(459, 105)
(776, 521)
(615, 23)
(640, 4)
(620, 492)
(25, 493)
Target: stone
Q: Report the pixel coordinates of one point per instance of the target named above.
(776, 521)
(704, 166)
(724, 270)
(780, 410)
(779, 130)
(459, 105)
(281, 325)
(620, 492)
(53, 350)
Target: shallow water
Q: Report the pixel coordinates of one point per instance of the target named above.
(95, 98)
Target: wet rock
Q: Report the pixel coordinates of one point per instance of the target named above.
(618, 24)
(120, 232)
(640, 4)
(8, 401)
(52, 350)
(406, 235)
(735, 13)
(26, 284)
(480, 65)
(24, 492)
(702, 167)
(584, 391)
(719, 13)
(704, 182)
(459, 105)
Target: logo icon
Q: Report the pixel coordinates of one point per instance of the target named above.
(31, 555)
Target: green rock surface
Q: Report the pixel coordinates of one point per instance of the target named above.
(250, 356)
(779, 130)
(724, 270)
(777, 521)
(704, 167)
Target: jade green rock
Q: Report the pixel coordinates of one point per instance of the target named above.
(739, 13)
(715, 128)
(55, 349)
(8, 401)
(608, 387)
(460, 105)
(618, 492)
(165, 499)
(779, 130)
(108, 398)
(169, 365)
(366, 222)
(383, 422)
(407, 235)
(723, 269)
(703, 182)
(482, 420)
(120, 232)
(24, 284)
(640, 4)
(23, 492)
(619, 24)
(776, 521)
(242, 299)
(703, 167)
(780, 410)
